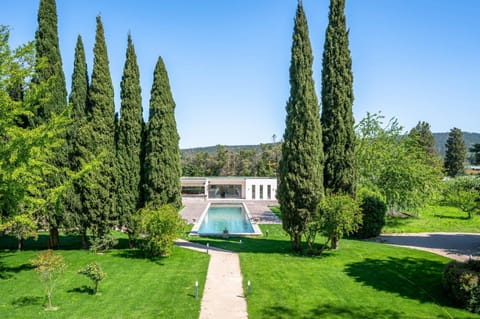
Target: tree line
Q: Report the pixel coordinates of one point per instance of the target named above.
(70, 161)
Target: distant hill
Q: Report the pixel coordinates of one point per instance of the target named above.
(468, 138)
(440, 140)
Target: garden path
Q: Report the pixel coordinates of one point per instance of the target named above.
(223, 295)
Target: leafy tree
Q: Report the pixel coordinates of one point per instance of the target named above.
(422, 135)
(129, 141)
(339, 215)
(475, 149)
(455, 153)
(162, 153)
(99, 196)
(464, 193)
(49, 267)
(300, 172)
(161, 227)
(22, 226)
(393, 165)
(340, 173)
(26, 151)
(94, 272)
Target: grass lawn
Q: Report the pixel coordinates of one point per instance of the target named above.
(360, 280)
(435, 219)
(134, 287)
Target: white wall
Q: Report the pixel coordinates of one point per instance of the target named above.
(258, 183)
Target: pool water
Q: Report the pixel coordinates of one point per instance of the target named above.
(221, 217)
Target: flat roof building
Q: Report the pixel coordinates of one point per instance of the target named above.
(224, 187)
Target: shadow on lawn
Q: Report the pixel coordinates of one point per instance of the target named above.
(451, 217)
(82, 290)
(27, 301)
(327, 310)
(413, 278)
(6, 272)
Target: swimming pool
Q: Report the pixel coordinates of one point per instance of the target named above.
(234, 218)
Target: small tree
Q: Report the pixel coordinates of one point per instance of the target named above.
(94, 272)
(50, 267)
(463, 193)
(160, 227)
(23, 226)
(339, 215)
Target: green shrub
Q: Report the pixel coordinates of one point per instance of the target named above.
(374, 210)
(160, 227)
(94, 272)
(462, 283)
(103, 243)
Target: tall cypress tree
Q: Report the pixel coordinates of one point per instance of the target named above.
(48, 70)
(455, 153)
(300, 172)
(76, 139)
(162, 153)
(99, 196)
(337, 99)
(129, 141)
(49, 61)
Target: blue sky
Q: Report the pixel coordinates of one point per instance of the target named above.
(228, 60)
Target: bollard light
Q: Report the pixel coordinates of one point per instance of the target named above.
(208, 245)
(240, 241)
(266, 232)
(248, 288)
(196, 289)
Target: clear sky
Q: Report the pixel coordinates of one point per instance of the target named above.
(228, 61)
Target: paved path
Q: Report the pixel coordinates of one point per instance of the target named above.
(223, 294)
(459, 246)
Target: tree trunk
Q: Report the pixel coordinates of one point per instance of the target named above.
(84, 239)
(334, 242)
(297, 242)
(54, 238)
(20, 243)
(131, 240)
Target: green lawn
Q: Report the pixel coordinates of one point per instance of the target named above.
(360, 280)
(134, 287)
(434, 219)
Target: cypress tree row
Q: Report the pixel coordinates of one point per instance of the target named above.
(337, 99)
(129, 141)
(48, 70)
(99, 201)
(49, 61)
(76, 138)
(162, 154)
(300, 171)
(455, 153)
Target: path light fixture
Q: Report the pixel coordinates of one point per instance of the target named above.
(208, 245)
(248, 288)
(240, 241)
(266, 233)
(196, 289)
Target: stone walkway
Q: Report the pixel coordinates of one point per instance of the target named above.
(223, 295)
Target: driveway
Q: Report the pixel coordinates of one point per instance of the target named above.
(459, 246)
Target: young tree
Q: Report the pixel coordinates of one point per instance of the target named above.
(300, 172)
(340, 172)
(162, 153)
(49, 267)
(77, 146)
(455, 153)
(99, 196)
(129, 142)
(94, 272)
(49, 69)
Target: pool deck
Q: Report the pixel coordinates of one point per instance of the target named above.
(259, 211)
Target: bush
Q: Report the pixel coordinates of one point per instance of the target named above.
(462, 283)
(103, 243)
(160, 228)
(374, 210)
(94, 272)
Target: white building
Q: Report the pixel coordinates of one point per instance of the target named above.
(248, 188)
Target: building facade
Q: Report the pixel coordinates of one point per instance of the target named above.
(248, 188)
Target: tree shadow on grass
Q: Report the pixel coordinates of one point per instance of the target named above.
(27, 301)
(6, 272)
(413, 278)
(82, 290)
(327, 310)
(451, 217)
(137, 254)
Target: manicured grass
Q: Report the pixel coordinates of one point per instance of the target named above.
(434, 219)
(359, 280)
(134, 287)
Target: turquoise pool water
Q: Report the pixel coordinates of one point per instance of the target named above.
(230, 217)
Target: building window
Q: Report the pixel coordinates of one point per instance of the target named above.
(253, 191)
(261, 192)
(269, 191)
(193, 190)
(225, 191)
